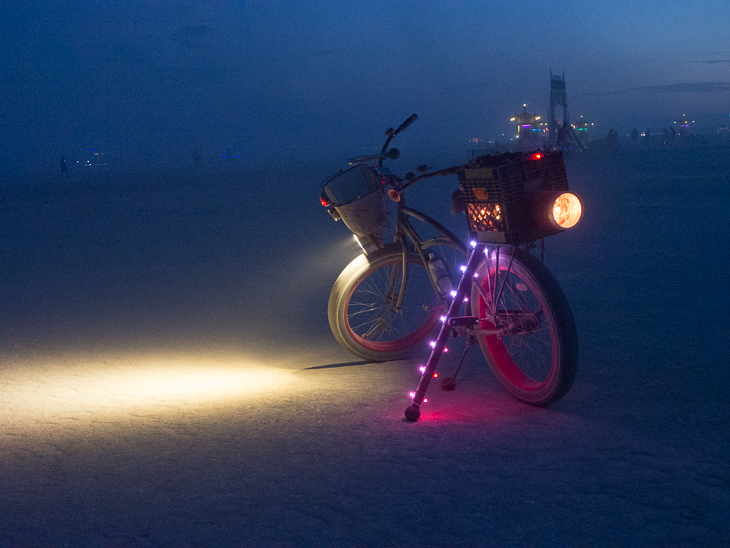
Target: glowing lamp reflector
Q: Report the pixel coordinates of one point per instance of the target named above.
(557, 210)
(567, 210)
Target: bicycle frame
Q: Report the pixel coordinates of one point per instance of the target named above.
(414, 410)
(404, 227)
(404, 231)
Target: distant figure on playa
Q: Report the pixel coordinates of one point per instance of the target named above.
(612, 139)
(64, 167)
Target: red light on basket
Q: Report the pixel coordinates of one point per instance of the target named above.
(536, 156)
(324, 202)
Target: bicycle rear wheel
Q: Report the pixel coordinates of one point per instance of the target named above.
(363, 312)
(535, 356)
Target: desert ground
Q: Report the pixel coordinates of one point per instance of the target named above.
(168, 377)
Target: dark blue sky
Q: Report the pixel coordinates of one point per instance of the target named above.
(148, 81)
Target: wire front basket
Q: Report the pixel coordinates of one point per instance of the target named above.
(499, 190)
(357, 195)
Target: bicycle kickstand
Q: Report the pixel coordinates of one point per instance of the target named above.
(449, 383)
(413, 411)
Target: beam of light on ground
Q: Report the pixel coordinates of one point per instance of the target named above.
(38, 394)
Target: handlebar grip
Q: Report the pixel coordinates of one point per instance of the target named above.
(405, 124)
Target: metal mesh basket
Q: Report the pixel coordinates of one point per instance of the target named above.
(498, 191)
(357, 195)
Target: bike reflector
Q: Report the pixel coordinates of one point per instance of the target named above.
(536, 156)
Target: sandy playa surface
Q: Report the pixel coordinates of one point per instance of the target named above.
(168, 378)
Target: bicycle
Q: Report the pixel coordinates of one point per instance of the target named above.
(389, 299)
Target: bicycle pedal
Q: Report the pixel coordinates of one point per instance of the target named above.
(463, 321)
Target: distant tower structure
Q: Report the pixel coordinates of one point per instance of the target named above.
(560, 133)
(558, 96)
(528, 130)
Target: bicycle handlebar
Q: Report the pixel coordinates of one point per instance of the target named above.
(390, 133)
(405, 124)
(440, 173)
(362, 159)
(384, 153)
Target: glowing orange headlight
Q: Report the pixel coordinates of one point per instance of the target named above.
(556, 210)
(567, 210)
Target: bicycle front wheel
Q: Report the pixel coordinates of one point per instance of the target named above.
(535, 352)
(363, 311)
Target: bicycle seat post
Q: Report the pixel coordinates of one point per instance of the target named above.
(414, 410)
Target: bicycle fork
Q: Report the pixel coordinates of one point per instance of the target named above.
(414, 409)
